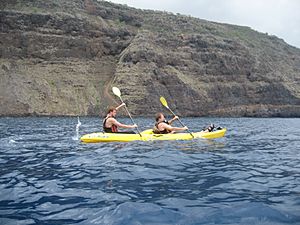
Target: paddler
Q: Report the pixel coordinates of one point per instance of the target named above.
(162, 126)
(111, 125)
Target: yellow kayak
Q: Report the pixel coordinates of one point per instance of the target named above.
(148, 135)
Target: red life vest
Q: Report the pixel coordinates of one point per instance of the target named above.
(112, 129)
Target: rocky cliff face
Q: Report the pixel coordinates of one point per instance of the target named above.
(62, 58)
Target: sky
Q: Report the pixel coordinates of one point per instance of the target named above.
(275, 17)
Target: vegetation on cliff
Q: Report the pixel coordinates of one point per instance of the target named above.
(61, 57)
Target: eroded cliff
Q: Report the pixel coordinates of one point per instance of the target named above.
(62, 57)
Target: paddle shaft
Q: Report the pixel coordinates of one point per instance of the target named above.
(180, 121)
(130, 116)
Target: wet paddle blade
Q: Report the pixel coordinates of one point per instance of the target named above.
(116, 91)
(164, 102)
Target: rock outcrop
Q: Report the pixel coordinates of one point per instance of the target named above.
(62, 57)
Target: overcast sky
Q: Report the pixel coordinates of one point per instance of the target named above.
(277, 17)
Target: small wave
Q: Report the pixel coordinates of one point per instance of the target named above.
(76, 137)
(243, 178)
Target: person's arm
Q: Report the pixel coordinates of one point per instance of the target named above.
(118, 124)
(172, 120)
(123, 104)
(170, 128)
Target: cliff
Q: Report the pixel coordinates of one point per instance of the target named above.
(61, 57)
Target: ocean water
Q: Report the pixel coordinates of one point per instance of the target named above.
(251, 176)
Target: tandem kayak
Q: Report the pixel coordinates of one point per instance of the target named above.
(148, 135)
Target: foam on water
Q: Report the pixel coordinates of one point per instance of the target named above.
(76, 137)
(11, 141)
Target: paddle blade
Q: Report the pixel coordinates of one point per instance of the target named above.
(163, 102)
(116, 91)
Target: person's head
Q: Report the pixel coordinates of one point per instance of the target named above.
(112, 111)
(159, 117)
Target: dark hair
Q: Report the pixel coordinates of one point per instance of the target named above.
(158, 116)
(111, 109)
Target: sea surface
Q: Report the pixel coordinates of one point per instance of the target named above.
(251, 176)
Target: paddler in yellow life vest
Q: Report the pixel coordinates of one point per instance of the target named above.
(111, 125)
(162, 126)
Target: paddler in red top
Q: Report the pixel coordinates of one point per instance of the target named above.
(110, 124)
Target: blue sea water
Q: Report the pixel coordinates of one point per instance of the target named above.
(251, 176)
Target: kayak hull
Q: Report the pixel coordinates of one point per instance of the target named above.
(147, 135)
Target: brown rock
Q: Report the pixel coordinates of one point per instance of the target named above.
(62, 57)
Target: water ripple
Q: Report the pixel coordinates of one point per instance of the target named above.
(249, 177)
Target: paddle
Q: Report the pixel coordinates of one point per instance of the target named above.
(165, 104)
(117, 92)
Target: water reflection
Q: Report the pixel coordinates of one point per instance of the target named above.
(200, 145)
